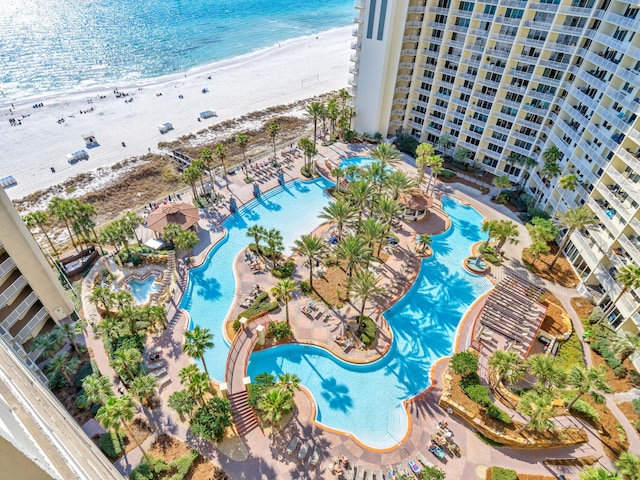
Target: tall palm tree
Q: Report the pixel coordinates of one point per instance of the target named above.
(69, 332)
(628, 277)
(568, 182)
(387, 153)
(506, 366)
(38, 219)
(275, 243)
(309, 150)
(490, 227)
(344, 96)
(546, 370)
(588, 380)
(502, 182)
(48, 343)
(131, 221)
(97, 389)
(424, 241)
(354, 251)
(624, 346)
(364, 284)
(507, 232)
(376, 174)
(186, 374)
(143, 388)
(373, 231)
(387, 209)
(206, 156)
(339, 213)
(333, 112)
(242, 140)
(273, 129)
(282, 291)
(275, 403)
(126, 360)
(462, 155)
(289, 382)
(629, 465)
(258, 233)
(435, 163)
(446, 142)
(115, 414)
(598, 473)
(315, 111)
(549, 171)
(196, 343)
(190, 176)
(577, 218)
(221, 153)
(338, 173)
(186, 240)
(397, 183)
(359, 192)
(199, 164)
(311, 247)
(539, 408)
(61, 364)
(64, 210)
(552, 155)
(423, 152)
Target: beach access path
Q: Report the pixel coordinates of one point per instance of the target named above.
(288, 72)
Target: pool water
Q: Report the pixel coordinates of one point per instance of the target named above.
(357, 161)
(367, 400)
(292, 209)
(141, 289)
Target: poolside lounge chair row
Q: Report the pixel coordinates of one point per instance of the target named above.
(305, 448)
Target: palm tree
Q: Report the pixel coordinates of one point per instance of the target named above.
(538, 407)
(359, 192)
(507, 231)
(97, 389)
(344, 96)
(364, 284)
(424, 241)
(199, 164)
(462, 155)
(628, 277)
(187, 373)
(48, 343)
(629, 465)
(242, 140)
(339, 213)
(387, 209)
(568, 182)
(190, 175)
(588, 380)
(275, 403)
(376, 174)
(221, 153)
(126, 360)
(206, 156)
(546, 370)
(69, 331)
(282, 291)
(61, 364)
(186, 240)
(170, 232)
(354, 251)
(275, 243)
(373, 231)
(315, 110)
(143, 388)
(258, 233)
(397, 183)
(309, 150)
(490, 227)
(333, 112)
(502, 182)
(598, 473)
(115, 414)
(435, 163)
(552, 155)
(131, 221)
(38, 219)
(624, 346)
(273, 129)
(289, 382)
(338, 173)
(548, 171)
(423, 152)
(196, 342)
(577, 218)
(312, 248)
(387, 153)
(506, 366)
(446, 142)
(64, 210)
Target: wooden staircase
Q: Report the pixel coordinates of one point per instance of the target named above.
(244, 416)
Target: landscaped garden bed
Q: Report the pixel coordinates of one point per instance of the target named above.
(562, 272)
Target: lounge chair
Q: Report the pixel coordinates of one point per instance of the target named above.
(314, 458)
(378, 474)
(159, 373)
(349, 474)
(360, 473)
(421, 458)
(293, 445)
(303, 451)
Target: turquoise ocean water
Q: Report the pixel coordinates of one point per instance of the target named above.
(54, 46)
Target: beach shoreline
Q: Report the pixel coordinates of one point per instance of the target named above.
(125, 124)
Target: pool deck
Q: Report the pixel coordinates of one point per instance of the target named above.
(263, 456)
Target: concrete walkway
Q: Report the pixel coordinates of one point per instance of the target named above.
(266, 457)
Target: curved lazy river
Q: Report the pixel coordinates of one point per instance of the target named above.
(365, 400)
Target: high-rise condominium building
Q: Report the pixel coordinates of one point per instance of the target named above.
(38, 437)
(502, 82)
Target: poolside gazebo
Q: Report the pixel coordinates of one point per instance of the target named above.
(416, 205)
(182, 214)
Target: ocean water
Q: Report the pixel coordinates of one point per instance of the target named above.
(51, 45)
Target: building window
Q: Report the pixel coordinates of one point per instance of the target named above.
(492, 162)
(514, 13)
(489, 9)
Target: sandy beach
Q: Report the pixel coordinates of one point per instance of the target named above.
(43, 136)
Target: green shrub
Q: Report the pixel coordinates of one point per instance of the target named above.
(111, 444)
(464, 363)
(537, 212)
(479, 394)
(126, 342)
(142, 471)
(584, 408)
(260, 304)
(210, 421)
(183, 464)
(261, 383)
(307, 171)
(499, 473)
(460, 165)
(570, 353)
(635, 403)
(446, 174)
(488, 441)
(469, 380)
(236, 325)
(494, 412)
(596, 315)
(85, 371)
(305, 287)
(368, 331)
(279, 330)
(407, 144)
(284, 270)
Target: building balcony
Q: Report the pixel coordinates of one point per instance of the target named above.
(615, 228)
(610, 42)
(38, 319)
(458, 28)
(508, 20)
(360, 4)
(544, 26)
(416, 9)
(398, 111)
(5, 267)
(414, 24)
(586, 248)
(498, 53)
(579, 11)
(409, 52)
(600, 61)
(632, 247)
(530, 42)
(475, 47)
(611, 286)
(561, 47)
(439, 10)
(405, 78)
(470, 61)
(628, 75)
(355, 58)
(12, 290)
(24, 304)
(622, 21)
(544, 7)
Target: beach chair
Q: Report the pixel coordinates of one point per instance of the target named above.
(360, 473)
(349, 474)
(293, 445)
(421, 458)
(314, 458)
(303, 451)
(378, 474)
(414, 467)
(159, 373)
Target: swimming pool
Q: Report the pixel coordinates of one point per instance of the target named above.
(357, 161)
(141, 289)
(367, 400)
(292, 209)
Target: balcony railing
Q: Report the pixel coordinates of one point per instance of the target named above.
(12, 290)
(37, 319)
(19, 311)
(6, 267)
